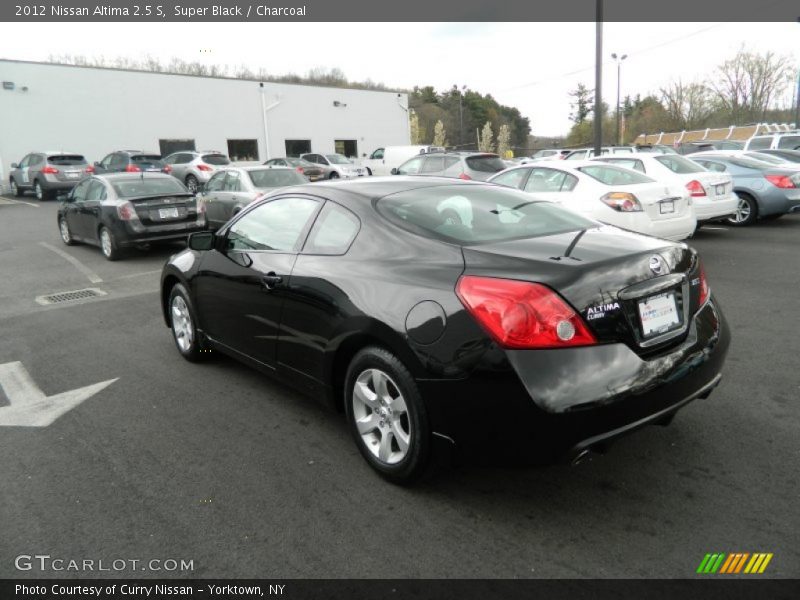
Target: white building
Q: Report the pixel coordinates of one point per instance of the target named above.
(94, 111)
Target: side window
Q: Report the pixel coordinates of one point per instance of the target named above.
(450, 161)
(216, 182)
(276, 225)
(80, 191)
(570, 181)
(170, 160)
(512, 178)
(712, 166)
(433, 164)
(333, 232)
(118, 160)
(96, 191)
(411, 167)
(378, 154)
(545, 180)
(25, 162)
(280, 162)
(233, 182)
(791, 142)
(759, 143)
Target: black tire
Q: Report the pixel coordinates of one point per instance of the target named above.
(369, 172)
(416, 459)
(15, 189)
(192, 184)
(751, 206)
(40, 193)
(194, 350)
(110, 250)
(334, 175)
(66, 234)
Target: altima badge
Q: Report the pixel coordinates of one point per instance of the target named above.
(657, 265)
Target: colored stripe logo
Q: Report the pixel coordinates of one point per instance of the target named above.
(734, 563)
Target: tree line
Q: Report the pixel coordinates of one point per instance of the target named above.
(748, 88)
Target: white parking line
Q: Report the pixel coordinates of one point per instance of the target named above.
(93, 277)
(142, 274)
(10, 201)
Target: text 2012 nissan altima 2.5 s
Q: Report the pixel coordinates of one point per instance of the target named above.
(519, 323)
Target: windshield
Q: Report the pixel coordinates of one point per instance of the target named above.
(215, 159)
(270, 178)
(142, 186)
(468, 215)
(338, 159)
(611, 175)
(678, 164)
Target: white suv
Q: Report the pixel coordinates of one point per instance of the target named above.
(786, 140)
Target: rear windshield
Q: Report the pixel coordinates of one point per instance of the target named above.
(747, 163)
(146, 158)
(66, 159)
(142, 186)
(269, 178)
(767, 158)
(611, 175)
(215, 159)
(678, 164)
(486, 164)
(466, 214)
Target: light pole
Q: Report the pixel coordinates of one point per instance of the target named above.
(619, 60)
(461, 116)
(598, 78)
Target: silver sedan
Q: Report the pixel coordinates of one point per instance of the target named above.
(231, 189)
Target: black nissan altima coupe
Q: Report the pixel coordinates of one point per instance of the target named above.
(435, 312)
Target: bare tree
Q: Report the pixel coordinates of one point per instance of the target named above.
(749, 84)
(688, 105)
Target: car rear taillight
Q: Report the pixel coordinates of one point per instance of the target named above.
(126, 212)
(465, 177)
(521, 314)
(204, 168)
(622, 202)
(781, 181)
(89, 169)
(695, 188)
(48, 170)
(705, 290)
(166, 169)
(132, 168)
(300, 170)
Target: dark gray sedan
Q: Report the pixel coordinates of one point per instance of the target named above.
(231, 189)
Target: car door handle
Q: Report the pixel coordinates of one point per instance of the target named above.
(270, 280)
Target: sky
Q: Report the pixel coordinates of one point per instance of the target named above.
(532, 66)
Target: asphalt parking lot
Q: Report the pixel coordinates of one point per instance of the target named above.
(218, 465)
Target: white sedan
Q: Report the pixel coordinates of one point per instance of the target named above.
(712, 193)
(608, 193)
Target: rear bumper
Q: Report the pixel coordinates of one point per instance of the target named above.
(708, 210)
(552, 404)
(128, 235)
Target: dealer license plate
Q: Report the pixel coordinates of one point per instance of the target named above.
(168, 213)
(658, 313)
(666, 207)
(72, 174)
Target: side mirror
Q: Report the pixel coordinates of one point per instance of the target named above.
(14, 166)
(202, 241)
(395, 171)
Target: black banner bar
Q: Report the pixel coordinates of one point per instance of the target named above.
(708, 587)
(395, 10)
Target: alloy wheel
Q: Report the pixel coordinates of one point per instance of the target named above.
(66, 236)
(191, 183)
(381, 416)
(742, 211)
(37, 189)
(182, 327)
(14, 188)
(105, 242)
